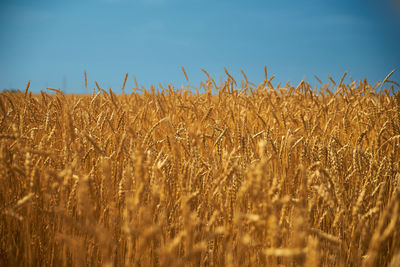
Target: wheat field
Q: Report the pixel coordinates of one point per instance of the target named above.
(229, 174)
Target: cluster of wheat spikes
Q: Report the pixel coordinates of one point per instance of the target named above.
(257, 176)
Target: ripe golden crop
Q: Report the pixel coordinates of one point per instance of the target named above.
(259, 176)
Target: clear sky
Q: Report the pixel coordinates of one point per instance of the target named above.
(51, 43)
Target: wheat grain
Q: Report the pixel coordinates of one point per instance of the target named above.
(250, 176)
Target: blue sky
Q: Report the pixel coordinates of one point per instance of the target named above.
(51, 43)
